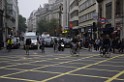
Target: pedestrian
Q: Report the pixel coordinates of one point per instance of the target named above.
(9, 44)
(42, 44)
(114, 44)
(0, 45)
(97, 43)
(55, 44)
(27, 45)
(90, 44)
(121, 49)
(106, 43)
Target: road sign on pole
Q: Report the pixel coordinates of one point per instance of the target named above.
(103, 20)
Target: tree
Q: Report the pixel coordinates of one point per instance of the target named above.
(53, 24)
(47, 26)
(22, 24)
(42, 25)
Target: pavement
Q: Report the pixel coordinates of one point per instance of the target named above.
(15, 66)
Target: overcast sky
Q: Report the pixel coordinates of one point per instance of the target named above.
(27, 6)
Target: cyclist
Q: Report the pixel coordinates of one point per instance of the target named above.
(9, 44)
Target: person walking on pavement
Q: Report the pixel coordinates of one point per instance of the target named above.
(106, 43)
(55, 44)
(27, 46)
(90, 44)
(74, 45)
(97, 43)
(121, 49)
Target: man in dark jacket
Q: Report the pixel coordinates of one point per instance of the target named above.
(106, 43)
(27, 45)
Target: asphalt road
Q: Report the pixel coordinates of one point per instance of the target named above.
(16, 66)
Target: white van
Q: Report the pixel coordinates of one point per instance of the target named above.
(33, 37)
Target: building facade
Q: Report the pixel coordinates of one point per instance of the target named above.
(88, 13)
(73, 13)
(51, 1)
(113, 11)
(65, 14)
(1, 22)
(8, 19)
(12, 13)
(32, 22)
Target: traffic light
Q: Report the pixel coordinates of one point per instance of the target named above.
(94, 27)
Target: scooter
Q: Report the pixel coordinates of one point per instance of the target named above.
(61, 47)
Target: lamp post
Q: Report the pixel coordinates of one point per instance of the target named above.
(60, 15)
(99, 15)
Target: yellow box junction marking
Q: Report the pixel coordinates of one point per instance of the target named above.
(116, 76)
(80, 68)
(5, 76)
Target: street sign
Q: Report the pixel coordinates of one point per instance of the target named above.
(103, 20)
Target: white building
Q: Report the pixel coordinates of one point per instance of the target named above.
(32, 24)
(88, 13)
(51, 1)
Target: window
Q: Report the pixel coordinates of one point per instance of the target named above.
(86, 4)
(119, 8)
(87, 16)
(109, 10)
